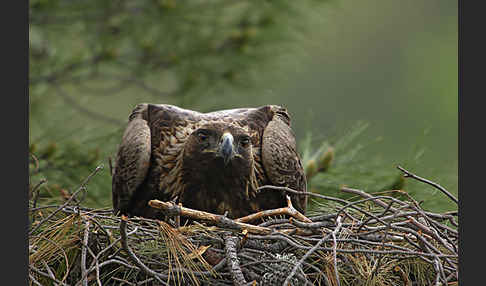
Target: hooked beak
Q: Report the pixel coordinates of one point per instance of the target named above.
(226, 147)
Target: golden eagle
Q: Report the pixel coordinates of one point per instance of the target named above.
(212, 162)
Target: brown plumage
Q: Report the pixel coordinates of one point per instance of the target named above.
(207, 161)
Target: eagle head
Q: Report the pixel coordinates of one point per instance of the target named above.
(218, 156)
(220, 146)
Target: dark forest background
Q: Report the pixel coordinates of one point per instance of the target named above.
(374, 81)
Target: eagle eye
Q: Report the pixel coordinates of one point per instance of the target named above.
(202, 135)
(245, 141)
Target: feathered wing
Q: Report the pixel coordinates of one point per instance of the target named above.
(132, 160)
(280, 157)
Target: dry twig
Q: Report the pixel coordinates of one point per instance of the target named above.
(437, 186)
(173, 210)
(289, 210)
(82, 187)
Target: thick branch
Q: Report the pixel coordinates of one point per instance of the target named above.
(83, 253)
(232, 260)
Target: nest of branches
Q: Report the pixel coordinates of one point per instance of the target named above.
(372, 239)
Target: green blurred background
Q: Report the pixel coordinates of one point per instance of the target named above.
(375, 79)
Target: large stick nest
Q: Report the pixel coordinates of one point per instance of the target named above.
(372, 239)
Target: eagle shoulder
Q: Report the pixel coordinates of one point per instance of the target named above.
(132, 160)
